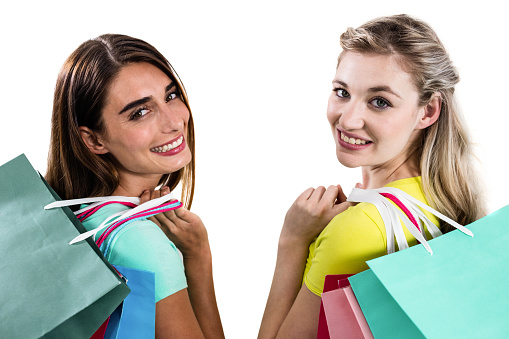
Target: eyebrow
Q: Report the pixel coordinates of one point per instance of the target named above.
(143, 100)
(372, 89)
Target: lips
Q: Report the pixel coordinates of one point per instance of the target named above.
(352, 142)
(173, 144)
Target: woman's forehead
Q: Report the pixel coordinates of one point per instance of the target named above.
(364, 71)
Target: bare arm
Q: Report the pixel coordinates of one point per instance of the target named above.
(175, 317)
(193, 312)
(292, 310)
(286, 284)
(202, 294)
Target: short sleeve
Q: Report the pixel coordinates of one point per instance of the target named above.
(351, 238)
(143, 245)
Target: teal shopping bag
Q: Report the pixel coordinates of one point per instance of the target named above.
(458, 292)
(48, 288)
(386, 319)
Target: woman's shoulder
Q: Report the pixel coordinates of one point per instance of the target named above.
(141, 244)
(343, 247)
(137, 231)
(364, 218)
(131, 237)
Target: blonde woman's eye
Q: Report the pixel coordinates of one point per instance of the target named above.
(342, 93)
(139, 113)
(171, 96)
(380, 103)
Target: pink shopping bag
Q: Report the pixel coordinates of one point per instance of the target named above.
(340, 313)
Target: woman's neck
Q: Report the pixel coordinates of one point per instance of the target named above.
(133, 186)
(396, 169)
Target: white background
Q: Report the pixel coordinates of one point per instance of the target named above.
(258, 75)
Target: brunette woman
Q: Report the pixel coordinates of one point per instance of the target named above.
(122, 126)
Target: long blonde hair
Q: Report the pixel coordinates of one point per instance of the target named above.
(450, 181)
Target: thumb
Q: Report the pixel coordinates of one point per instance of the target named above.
(358, 185)
(183, 213)
(144, 197)
(340, 208)
(341, 195)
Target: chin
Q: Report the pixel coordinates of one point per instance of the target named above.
(349, 164)
(184, 159)
(348, 160)
(176, 162)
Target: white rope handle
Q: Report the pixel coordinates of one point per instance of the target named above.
(405, 196)
(96, 201)
(108, 221)
(391, 216)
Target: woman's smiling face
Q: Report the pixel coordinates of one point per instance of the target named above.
(373, 110)
(145, 123)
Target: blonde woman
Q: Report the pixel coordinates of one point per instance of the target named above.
(393, 113)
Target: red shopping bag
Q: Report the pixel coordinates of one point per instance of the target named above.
(340, 313)
(101, 331)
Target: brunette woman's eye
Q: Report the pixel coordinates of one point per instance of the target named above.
(139, 113)
(171, 96)
(380, 103)
(342, 93)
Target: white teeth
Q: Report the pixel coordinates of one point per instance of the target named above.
(352, 141)
(170, 146)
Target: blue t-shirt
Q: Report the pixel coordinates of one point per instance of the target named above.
(143, 245)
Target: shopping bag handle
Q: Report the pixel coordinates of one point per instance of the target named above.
(390, 214)
(114, 217)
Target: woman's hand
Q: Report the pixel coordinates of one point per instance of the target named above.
(184, 228)
(311, 212)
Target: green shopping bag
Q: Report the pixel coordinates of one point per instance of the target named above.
(48, 288)
(458, 292)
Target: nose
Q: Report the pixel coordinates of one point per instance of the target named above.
(171, 118)
(352, 116)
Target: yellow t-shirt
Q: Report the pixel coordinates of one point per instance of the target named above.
(354, 237)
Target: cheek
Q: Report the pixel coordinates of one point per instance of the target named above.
(130, 139)
(397, 133)
(183, 113)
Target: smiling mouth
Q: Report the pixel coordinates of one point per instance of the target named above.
(353, 141)
(169, 146)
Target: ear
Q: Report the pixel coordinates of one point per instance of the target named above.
(92, 140)
(431, 112)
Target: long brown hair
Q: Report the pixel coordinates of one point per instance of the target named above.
(449, 179)
(80, 94)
